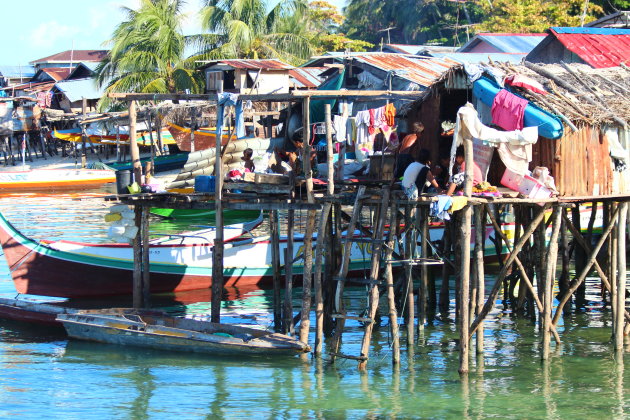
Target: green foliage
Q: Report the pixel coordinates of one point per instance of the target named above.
(147, 53)
(244, 29)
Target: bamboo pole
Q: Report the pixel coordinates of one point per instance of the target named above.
(552, 256)
(480, 228)
(305, 322)
(621, 275)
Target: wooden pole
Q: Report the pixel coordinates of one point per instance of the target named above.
(137, 260)
(621, 275)
(146, 268)
(133, 144)
(217, 249)
(329, 153)
(410, 245)
(389, 278)
(423, 292)
(464, 290)
(305, 322)
(275, 262)
(288, 270)
(319, 298)
(550, 275)
(480, 230)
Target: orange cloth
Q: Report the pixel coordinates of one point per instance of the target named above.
(390, 113)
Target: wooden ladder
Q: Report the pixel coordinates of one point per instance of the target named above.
(377, 241)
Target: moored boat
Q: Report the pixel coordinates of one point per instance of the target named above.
(179, 334)
(204, 138)
(53, 179)
(160, 163)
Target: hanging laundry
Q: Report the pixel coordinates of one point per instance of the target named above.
(515, 157)
(390, 114)
(351, 130)
(339, 125)
(508, 110)
(458, 203)
(363, 122)
(440, 208)
(377, 117)
(526, 83)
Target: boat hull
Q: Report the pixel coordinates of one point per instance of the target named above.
(204, 139)
(54, 179)
(166, 333)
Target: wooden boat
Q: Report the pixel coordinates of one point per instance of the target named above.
(54, 179)
(160, 163)
(143, 138)
(177, 263)
(205, 138)
(229, 216)
(179, 334)
(32, 312)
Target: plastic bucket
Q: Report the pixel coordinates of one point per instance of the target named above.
(124, 178)
(204, 183)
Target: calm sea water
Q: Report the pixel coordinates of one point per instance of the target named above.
(43, 374)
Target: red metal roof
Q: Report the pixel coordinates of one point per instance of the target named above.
(597, 49)
(268, 64)
(73, 55)
(423, 71)
(57, 73)
(307, 77)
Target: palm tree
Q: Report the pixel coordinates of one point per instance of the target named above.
(244, 29)
(148, 53)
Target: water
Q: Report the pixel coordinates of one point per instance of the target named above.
(42, 373)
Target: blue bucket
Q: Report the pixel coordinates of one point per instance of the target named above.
(204, 183)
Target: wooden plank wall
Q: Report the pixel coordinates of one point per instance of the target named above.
(579, 162)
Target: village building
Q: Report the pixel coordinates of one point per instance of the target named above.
(246, 76)
(70, 58)
(502, 43)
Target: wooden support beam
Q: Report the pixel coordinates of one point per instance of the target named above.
(319, 299)
(137, 260)
(275, 263)
(146, 270)
(389, 278)
(217, 249)
(480, 231)
(550, 271)
(621, 276)
(522, 271)
(133, 144)
(305, 322)
(489, 304)
(589, 263)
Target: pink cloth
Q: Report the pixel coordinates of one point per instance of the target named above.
(508, 110)
(477, 175)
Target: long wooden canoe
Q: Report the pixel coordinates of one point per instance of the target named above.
(54, 179)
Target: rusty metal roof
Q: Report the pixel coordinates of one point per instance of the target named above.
(307, 77)
(599, 47)
(75, 56)
(268, 64)
(423, 71)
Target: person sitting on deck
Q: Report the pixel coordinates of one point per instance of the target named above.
(459, 176)
(248, 162)
(407, 149)
(418, 178)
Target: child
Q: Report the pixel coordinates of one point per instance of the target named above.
(247, 160)
(418, 177)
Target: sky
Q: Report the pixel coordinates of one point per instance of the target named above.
(47, 27)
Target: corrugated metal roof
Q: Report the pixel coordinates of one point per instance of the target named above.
(403, 48)
(599, 47)
(423, 71)
(17, 71)
(73, 55)
(477, 58)
(75, 90)
(307, 77)
(268, 64)
(505, 42)
(57, 73)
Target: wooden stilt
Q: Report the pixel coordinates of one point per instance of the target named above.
(552, 256)
(305, 322)
(137, 260)
(133, 144)
(217, 249)
(389, 278)
(288, 270)
(410, 310)
(146, 280)
(444, 289)
(423, 221)
(373, 289)
(480, 230)
(621, 275)
(275, 262)
(489, 304)
(408, 252)
(319, 299)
